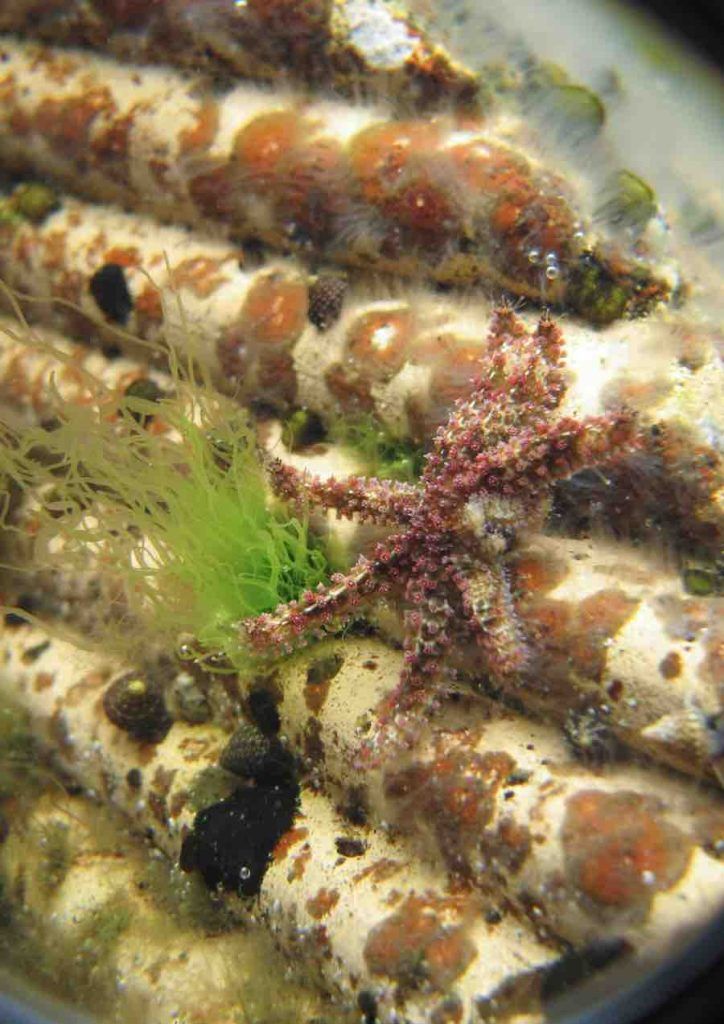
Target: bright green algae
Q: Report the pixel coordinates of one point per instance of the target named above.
(168, 497)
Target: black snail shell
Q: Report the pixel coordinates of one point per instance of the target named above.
(137, 706)
(326, 298)
(252, 755)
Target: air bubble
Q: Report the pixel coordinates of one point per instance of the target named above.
(534, 256)
(552, 271)
(244, 873)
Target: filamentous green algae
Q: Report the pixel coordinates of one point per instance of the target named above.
(165, 494)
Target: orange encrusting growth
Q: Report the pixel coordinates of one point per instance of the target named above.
(273, 316)
(440, 198)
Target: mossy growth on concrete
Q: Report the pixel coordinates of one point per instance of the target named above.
(382, 454)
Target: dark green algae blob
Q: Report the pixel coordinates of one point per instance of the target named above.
(629, 201)
(594, 292)
(574, 110)
(29, 201)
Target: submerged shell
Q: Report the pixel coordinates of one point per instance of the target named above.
(137, 706)
(252, 755)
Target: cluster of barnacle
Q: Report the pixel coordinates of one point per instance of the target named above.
(477, 439)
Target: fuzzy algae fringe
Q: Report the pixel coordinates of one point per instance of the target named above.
(165, 492)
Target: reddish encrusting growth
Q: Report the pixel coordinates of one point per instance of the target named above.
(422, 943)
(574, 635)
(452, 795)
(620, 849)
(487, 477)
(258, 350)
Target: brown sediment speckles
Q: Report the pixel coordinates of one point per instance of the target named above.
(290, 839)
(380, 870)
(43, 680)
(89, 684)
(194, 750)
(299, 864)
(421, 945)
(620, 849)
(54, 250)
(177, 804)
(159, 790)
(162, 780)
(199, 274)
(157, 804)
(670, 666)
(57, 66)
(321, 904)
(201, 135)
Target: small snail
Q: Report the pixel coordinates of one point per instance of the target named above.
(137, 706)
(252, 755)
(326, 298)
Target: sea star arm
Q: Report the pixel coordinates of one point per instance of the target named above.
(522, 379)
(401, 715)
(488, 604)
(532, 458)
(325, 609)
(386, 502)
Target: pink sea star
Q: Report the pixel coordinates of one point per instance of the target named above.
(488, 474)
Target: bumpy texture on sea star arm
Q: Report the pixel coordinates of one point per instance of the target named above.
(374, 501)
(488, 604)
(315, 613)
(532, 459)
